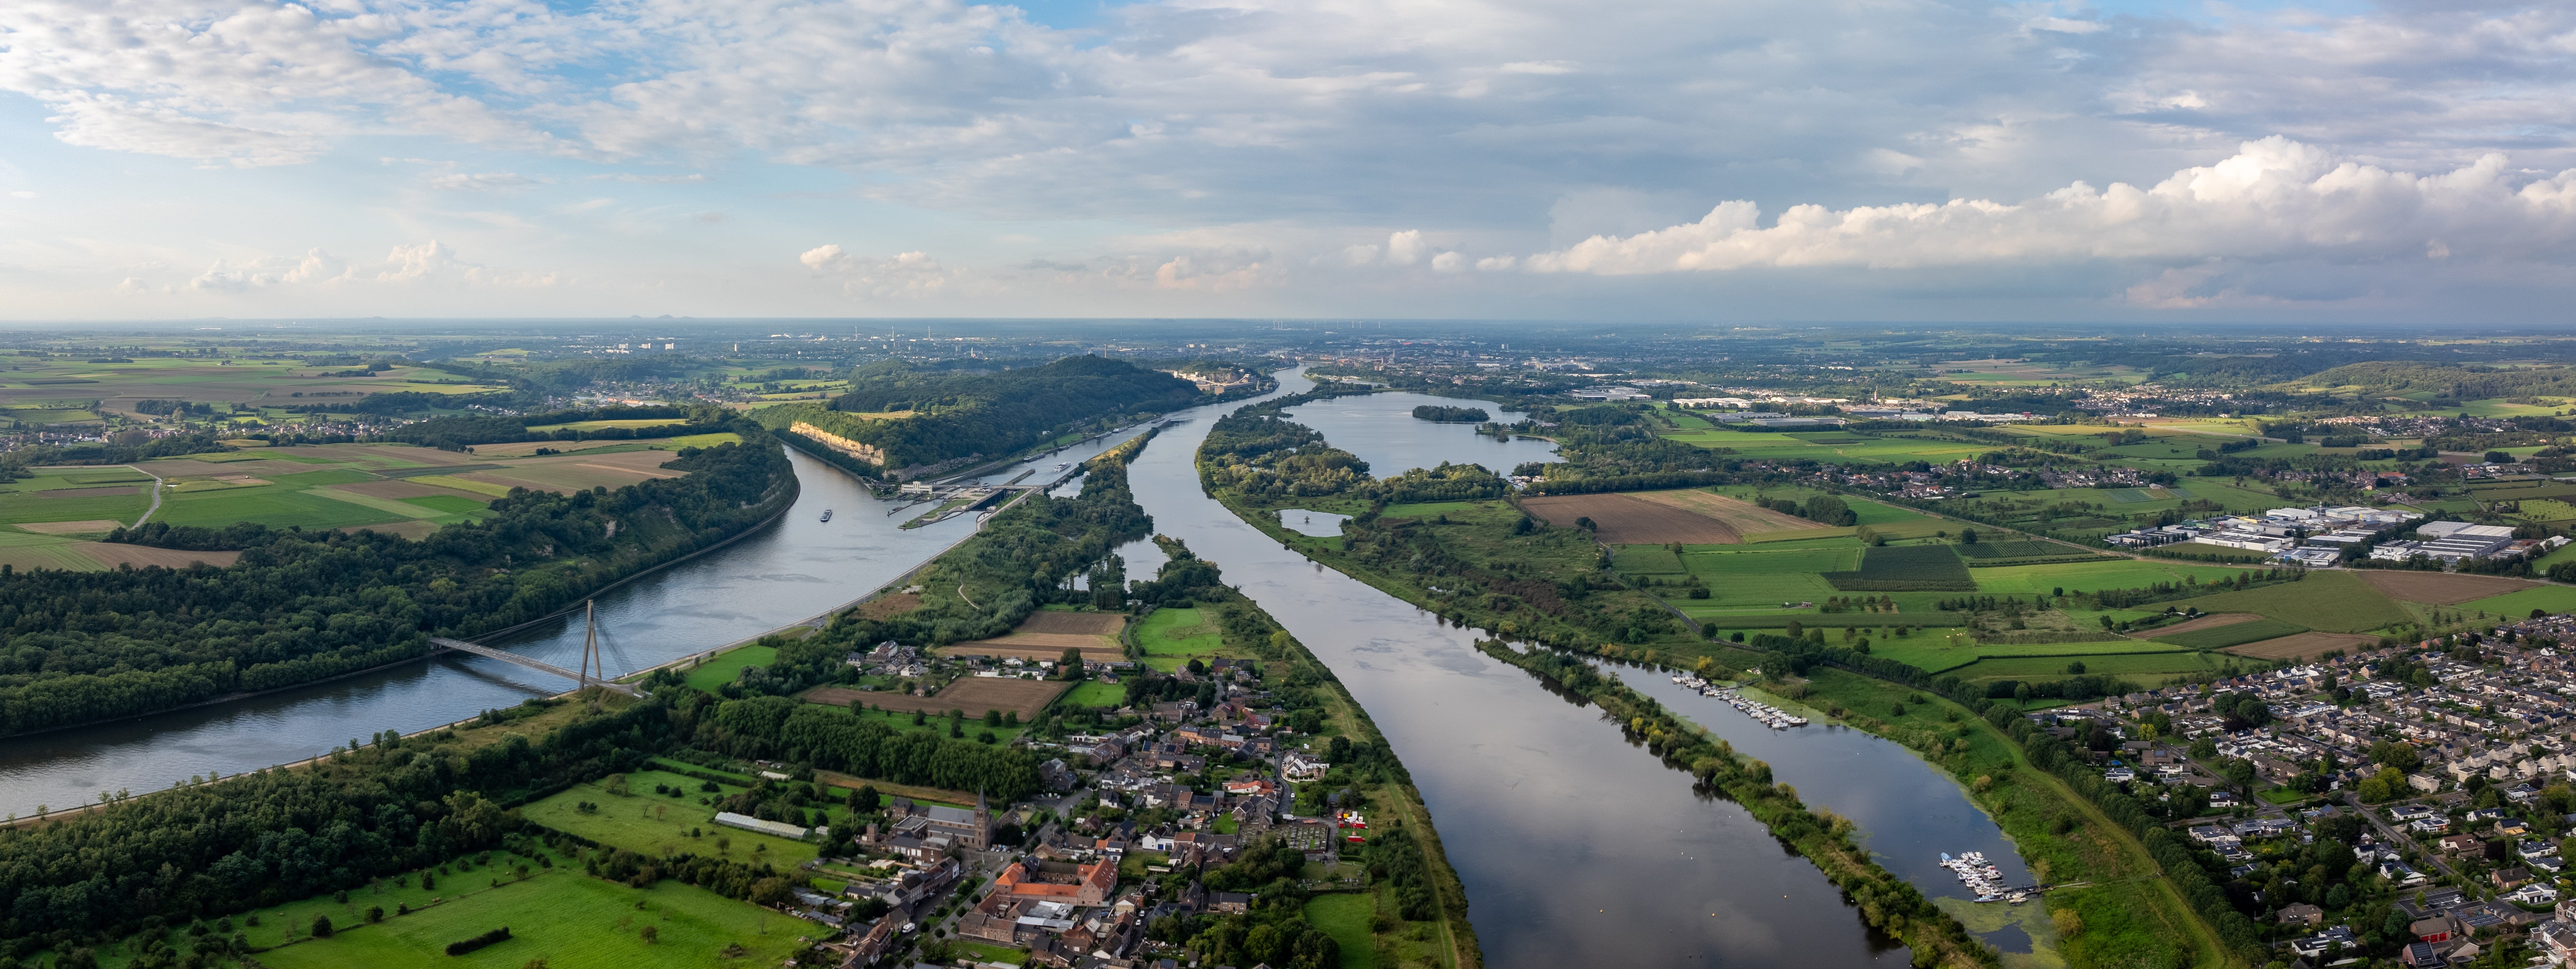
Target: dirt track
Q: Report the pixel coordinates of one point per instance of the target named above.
(1624, 520)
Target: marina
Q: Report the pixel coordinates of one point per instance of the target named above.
(1763, 713)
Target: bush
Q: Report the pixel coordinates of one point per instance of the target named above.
(321, 926)
(494, 937)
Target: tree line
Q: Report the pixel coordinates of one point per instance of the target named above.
(962, 415)
(299, 606)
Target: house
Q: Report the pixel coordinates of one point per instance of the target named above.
(2302, 913)
(1084, 885)
(2434, 928)
(2508, 879)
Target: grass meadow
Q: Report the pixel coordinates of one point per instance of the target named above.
(2329, 601)
(2552, 598)
(728, 665)
(650, 824)
(2233, 634)
(568, 919)
(1345, 917)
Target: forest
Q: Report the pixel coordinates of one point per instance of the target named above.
(932, 416)
(300, 606)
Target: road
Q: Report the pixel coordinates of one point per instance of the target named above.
(156, 496)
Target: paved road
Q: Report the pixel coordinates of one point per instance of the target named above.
(156, 496)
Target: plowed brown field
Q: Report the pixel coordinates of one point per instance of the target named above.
(1627, 520)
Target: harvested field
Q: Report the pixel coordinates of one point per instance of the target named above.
(888, 607)
(87, 492)
(2303, 645)
(891, 789)
(974, 695)
(381, 453)
(184, 467)
(1096, 649)
(140, 556)
(2438, 588)
(1741, 515)
(1075, 623)
(1627, 520)
(2211, 621)
(72, 528)
(405, 488)
(414, 530)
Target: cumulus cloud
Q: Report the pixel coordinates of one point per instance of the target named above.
(911, 274)
(427, 263)
(480, 181)
(2275, 199)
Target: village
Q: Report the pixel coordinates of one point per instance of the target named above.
(2443, 766)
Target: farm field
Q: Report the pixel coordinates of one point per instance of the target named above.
(654, 825)
(2550, 598)
(972, 695)
(2232, 634)
(46, 383)
(2439, 588)
(1095, 694)
(568, 920)
(1740, 515)
(727, 666)
(1047, 633)
(1905, 568)
(2092, 576)
(2328, 601)
(2303, 645)
(1620, 519)
(1936, 655)
(1835, 446)
(604, 445)
(1345, 916)
(1763, 578)
(2152, 669)
(1170, 638)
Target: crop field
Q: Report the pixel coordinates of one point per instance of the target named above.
(1620, 519)
(2548, 598)
(2303, 645)
(1656, 559)
(1171, 637)
(559, 918)
(2439, 588)
(2092, 576)
(2020, 549)
(1905, 568)
(577, 472)
(1934, 654)
(1047, 633)
(653, 825)
(1764, 578)
(1738, 514)
(970, 695)
(2232, 634)
(2328, 601)
(1759, 619)
(727, 666)
(2545, 510)
(39, 383)
(2151, 669)
(1844, 447)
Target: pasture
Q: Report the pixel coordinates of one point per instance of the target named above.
(1171, 638)
(653, 825)
(1905, 568)
(2303, 646)
(2152, 669)
(2116, 573)
(1933, 653)
(558, 916)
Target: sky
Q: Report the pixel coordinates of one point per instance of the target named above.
(1727, 161)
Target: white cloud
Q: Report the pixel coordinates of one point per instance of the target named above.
(1404, 248)
(480, 182)
(910, 274)
(2274, 200)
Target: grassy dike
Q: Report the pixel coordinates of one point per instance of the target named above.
(2127, 916)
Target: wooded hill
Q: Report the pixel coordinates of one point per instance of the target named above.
(933, 416)
(300, 606)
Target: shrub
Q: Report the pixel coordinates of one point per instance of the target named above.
(321, 926)
(493, 937)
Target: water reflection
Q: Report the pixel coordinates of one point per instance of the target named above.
(1323, 524)
(1381, 429)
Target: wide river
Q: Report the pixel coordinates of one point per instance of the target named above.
(1545, 809)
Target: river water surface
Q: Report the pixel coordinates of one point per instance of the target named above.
(1576, 847)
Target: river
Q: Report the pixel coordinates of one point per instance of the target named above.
(1545, 808)
(792, 569)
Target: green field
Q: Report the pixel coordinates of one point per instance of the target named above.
(1346, 917)
(1933, 653)
(2233, 634)
(2147, 668)
(1171, 637)
(2331, 601)
(653, 825)
(727, 666)
(276, 506)
(1907, 568)
(1111, 695)
(1646, 558)
(2516, 605)
(2091, 576)
(567, 919)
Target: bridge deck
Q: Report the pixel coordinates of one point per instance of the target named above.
(507, 657)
